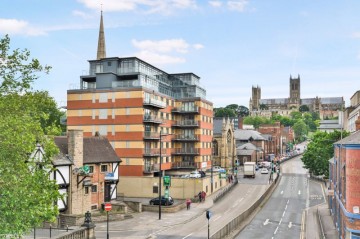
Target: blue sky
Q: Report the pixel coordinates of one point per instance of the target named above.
(231, 45)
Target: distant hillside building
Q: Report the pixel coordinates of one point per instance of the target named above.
(326, 106)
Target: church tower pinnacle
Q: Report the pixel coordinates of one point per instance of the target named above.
(101, 51)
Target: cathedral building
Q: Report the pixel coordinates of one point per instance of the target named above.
(325, 106)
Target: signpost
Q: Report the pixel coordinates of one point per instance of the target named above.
(107, 209)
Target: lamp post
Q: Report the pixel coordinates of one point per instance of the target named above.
(160, 175)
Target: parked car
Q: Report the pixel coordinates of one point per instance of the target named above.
(217, 169)
(195, 174)
(264, 171)
(185, 176)
(164, 201)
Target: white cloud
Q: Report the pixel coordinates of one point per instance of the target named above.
(198, 46)
(215, 3)
(355, 35)
(148, 6)
(178, 45)
(161, 59)
(19, 27)
(164, 51)
(82, 14)
(237, 5)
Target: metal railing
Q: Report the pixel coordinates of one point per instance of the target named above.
(153, 102)
(186, 137)
(191, 151)
(186, 123)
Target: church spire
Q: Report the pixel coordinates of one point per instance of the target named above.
(101, 51)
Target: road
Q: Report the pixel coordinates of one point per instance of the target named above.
(186, 224)
(283, 216)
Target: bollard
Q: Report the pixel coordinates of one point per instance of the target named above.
(50, 231)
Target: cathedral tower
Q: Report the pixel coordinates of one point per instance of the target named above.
(294, 99)
(255, 98)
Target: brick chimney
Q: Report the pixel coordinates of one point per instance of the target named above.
(75, 146)
(357, 124)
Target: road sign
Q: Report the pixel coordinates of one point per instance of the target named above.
(107, 206)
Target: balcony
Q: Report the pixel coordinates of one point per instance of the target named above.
(188, 165)
(155, 103)
(152, 119)
(151, 152)
(183, 110)
(188, 151)
(151, 168)
(186, 123)
(151, 135)
(185, 138)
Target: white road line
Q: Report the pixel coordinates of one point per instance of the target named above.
(280, 221)
(282, 192)
(283, 213)
(266, 222)
(299, 192)
(290, 224)
(187, 236)
(286, 207)
(287, 202)
(276, 230)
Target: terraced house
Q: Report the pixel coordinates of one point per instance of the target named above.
(149, 116)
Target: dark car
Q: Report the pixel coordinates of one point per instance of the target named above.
(164, 201)
(203, 174)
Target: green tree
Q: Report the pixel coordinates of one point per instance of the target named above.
(243, 111)
(263, 107)
(304, 108)
(27, 195)
(320, 150)
(224, 112)
(300, 130)
(295, 115)
(256, 121)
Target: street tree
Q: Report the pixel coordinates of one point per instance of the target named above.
(27, 195)
(320, 150)
(300, 130)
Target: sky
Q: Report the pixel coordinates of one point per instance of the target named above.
(231, 45)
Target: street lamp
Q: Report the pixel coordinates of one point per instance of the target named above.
(160, 175)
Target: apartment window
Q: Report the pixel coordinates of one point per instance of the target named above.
(103, 97)
(104, 168)
(93, 114)
(113, 130)
(103, 114)
(93, 98)
(91, 169)
(103, 130)
(86, 190)
(94, 188)
(113, 97)
(113, 113)
(127, 161)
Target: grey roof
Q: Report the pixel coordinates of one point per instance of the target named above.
(243, 134)
(351, 139)
(96, 149)
(61, 160)
(329, 122)
(307, 101)
(247, 146)
(331, 100)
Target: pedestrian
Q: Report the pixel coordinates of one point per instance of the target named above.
(188, 203)
(200, 196)
(203, 195)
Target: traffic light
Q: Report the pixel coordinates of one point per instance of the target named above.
(167, 180)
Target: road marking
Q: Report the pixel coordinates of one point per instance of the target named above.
(287, 202)
(276, 230)
(290, 224)
(282, 192)
(299, 192)
(280, 221)
(266, 222)
(286, 207)
(283, 213)
(187, 236)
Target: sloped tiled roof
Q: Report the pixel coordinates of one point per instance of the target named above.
(247, 146)
(96, 149)
(351, 139)
(242, 134)
(217, 126)
(244, 152)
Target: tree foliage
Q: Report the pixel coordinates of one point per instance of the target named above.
(256, 121)
(27, 195)
(232, 110)
(304, 108)
(300, 130)
(320, 150)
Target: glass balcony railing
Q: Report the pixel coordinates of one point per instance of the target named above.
(186, 123)
(155, 103)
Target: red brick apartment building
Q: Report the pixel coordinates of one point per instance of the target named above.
(344, 190)
(138, 106)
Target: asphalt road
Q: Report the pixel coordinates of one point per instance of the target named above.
(283, 215)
